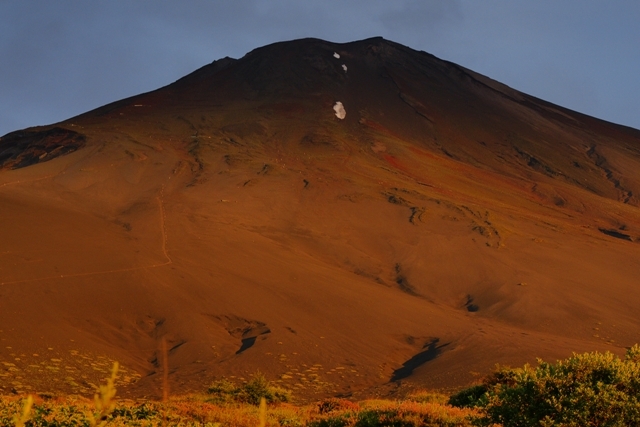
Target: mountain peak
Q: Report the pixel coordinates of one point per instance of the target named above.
(362, 214)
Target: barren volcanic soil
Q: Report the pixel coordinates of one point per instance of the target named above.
(447, 223)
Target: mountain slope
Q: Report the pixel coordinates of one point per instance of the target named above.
(445, 224)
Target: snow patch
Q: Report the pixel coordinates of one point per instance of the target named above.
(341, 113)
(336, 55)
(344, 67)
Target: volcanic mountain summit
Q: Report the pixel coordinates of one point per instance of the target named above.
(346, 218)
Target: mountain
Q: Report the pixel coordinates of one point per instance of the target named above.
(349, 219)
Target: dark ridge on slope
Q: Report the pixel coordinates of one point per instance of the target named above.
(29, 147)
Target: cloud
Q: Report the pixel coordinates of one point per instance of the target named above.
(418, 16)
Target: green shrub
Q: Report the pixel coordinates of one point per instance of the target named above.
(591, 389)
(426, 396)
(223, 391)
(258, 387)
(469, 397)
(385, 413)
(142, 411)
(333, 404)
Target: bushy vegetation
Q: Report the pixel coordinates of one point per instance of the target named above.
(196, 411)
(405, 413)
(591, 389)
(251, 392)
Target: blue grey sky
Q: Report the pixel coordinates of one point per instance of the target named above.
(60, 58)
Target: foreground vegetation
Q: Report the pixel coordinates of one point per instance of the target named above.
(197, 411)
(592, 389)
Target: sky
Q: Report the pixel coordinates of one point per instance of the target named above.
(64, 57)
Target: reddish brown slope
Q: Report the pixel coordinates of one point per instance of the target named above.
(448, 223)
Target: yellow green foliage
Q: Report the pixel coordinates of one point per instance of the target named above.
(591, 389)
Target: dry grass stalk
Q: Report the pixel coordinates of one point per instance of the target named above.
(20, 421)
(104, 402)
(263, 412)
(165, 380)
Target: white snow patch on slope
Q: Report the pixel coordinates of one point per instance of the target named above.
(336, 55)
(341, 113)
(344, 67)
